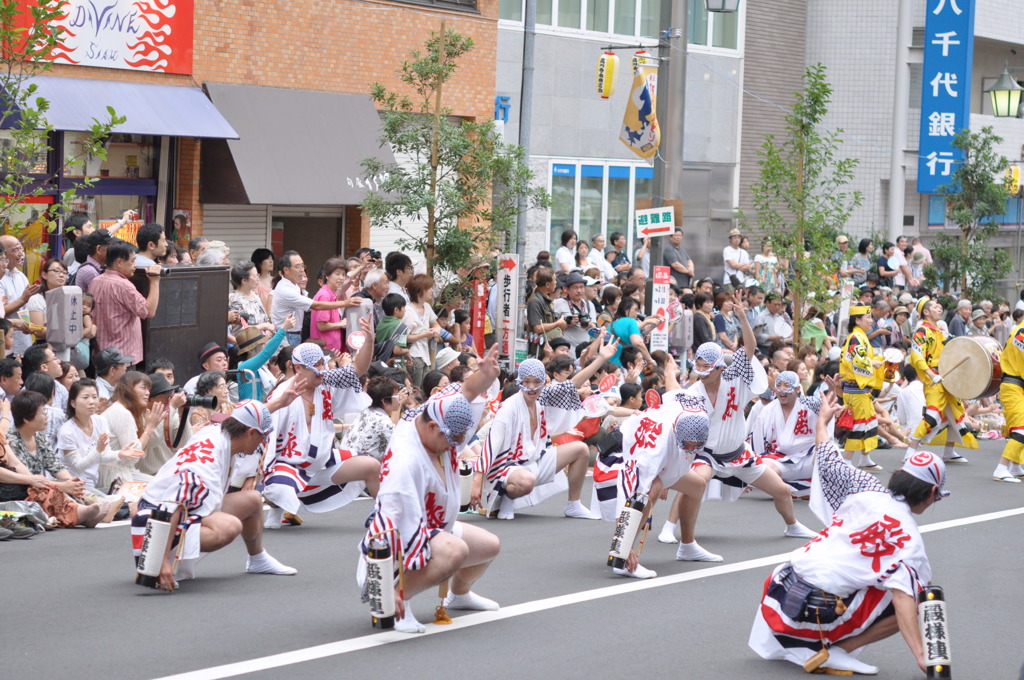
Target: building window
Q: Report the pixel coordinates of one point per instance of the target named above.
(466, 5)
(634, 18)
(1012, 217)
(591, 198)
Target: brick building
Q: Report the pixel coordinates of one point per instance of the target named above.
(275, 159)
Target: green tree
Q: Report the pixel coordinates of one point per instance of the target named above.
(974, 197)
(457, 174)
(801, 197)
(28, 35)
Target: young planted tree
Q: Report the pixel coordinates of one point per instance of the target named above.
(457, 175)
(801, 198)
(974, 197)
(29, 33)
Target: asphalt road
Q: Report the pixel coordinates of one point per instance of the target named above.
(73, 610)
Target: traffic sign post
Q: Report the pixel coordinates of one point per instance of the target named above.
(659, 306)
(508, 301)
(655, 222)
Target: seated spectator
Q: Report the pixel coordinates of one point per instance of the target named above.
(10, 378)
(371, 431)
(39, 358)
(164, 367)
(434, 382)
(210, 384)
(84, 441)
(161, 446)
(131, 421)
(68, 374)
(29, 457)
(111, 366)
(43, 384)
(212, 357)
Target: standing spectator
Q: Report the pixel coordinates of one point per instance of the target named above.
(421, 321)
(904, 278)
(399, 269)
(916, 261)
(767, 270)
(727, 324)
(880, 331)
(755, 298)
(76, 226)
(737, 261)
(540, 314)
(14, 285)
(196, 247)
(841, 257)
(565, 260)
(152, 242)
(977, 327)
(111, 366)
(642, 257)
(264, 260)
(860, 264)
(618, 259)
(575, 306)
(326, 324)
(886, 271)
(703, 326)
(97, 243)
(53, 275)
(119, 307)
(582, 255)
(629, 333)
(245, 299)
(610, 297)
(598, 259)
(958, 324)
(674, 256)
(288, 296)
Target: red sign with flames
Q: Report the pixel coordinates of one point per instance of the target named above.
(141, 35)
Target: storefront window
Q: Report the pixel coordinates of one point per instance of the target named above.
(32, 166)
(591, 200)
(128, 157)
(597, 15)
(563, 202)
(618, 199)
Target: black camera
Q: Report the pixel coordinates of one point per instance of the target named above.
(569, 318)
(584, 320)
(195, 401)
(374, 254)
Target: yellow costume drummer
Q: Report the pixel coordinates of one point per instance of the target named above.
(862, 373)
(942, 409)
(1011, 394)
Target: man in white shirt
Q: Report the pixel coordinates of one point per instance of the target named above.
(737, 261)
(14, 286)
(289, 298)
(597, 258)
(399, 269)
(152, 243)
(111, 366)
(773, 324)
(575, 305)
(903, 278)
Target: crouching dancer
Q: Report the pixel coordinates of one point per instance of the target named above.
(194, 482)
(857, 581)
(419, 496)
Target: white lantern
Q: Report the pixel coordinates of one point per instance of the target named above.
(607, 71)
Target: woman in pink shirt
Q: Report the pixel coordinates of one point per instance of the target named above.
(326, 324)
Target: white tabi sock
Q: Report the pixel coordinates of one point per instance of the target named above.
(576, 510)
(692, 552)
(798, 530)
(408, 623)
(864, 460)
(668, 533)
(841, 660)
(186, 570)
(470, 600)
(274, 518)
(264, 563)
(507, 508)
(1003, 474)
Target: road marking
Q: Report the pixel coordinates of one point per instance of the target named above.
(379, 639)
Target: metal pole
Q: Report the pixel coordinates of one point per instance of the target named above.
(526, 114)
(900, 105)
(670, 110)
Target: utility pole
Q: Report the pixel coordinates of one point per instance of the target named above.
(526, 114)
(670, 108)
(900, 106)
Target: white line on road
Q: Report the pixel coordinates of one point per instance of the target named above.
(379, 639)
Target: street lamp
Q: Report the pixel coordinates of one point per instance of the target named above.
(1005, 94)
(722, 6)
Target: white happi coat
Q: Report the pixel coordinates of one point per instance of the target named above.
(791, 437)
(871, 546)
(413, 498)
(299, 466)
(197, 476)
(740, 383)
(510, 443)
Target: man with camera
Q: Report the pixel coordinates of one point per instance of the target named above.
(578, 312)
(119, 308)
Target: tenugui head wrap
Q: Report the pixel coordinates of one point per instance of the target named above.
(786, 382)
(929, 468)
(711, 354)
(452, 413)
(921, 304)
(255, 414)
(531, 368)
(308, 355)
(691, 426)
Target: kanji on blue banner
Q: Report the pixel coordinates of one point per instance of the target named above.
(945, 89)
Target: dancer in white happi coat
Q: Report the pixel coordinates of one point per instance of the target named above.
(420, 494)
(518, 456)
(195, 484)
(658, 448)
(305, 468)
(857, 581)
(784, 433)
(724, 393)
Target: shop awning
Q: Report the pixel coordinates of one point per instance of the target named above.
(295, 147)
(165, 110)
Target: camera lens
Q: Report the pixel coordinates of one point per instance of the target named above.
(195, 401)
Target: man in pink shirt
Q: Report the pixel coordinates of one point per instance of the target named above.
(120, 308)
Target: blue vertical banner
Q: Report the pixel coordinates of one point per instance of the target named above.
(945, 89)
